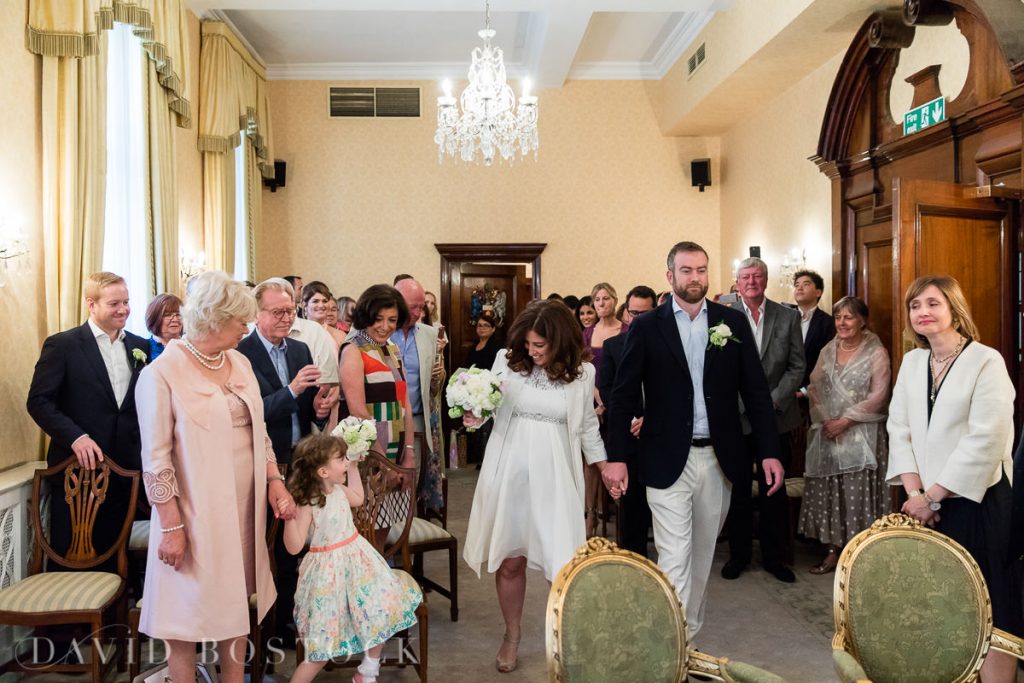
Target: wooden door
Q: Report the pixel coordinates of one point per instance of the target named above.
(875, 278)
(940, 229)
(476, 286)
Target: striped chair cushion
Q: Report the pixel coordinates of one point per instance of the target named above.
(139, 538)
(60, 592)
(420, 531)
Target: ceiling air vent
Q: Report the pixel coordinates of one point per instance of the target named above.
(695, 60)
(374, 102)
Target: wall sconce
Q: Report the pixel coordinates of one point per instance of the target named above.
(12, 248)
(792, 263)
(191, 264)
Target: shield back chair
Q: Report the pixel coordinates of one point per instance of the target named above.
(911, 604)
(71, 589)
(260, 632)
(429, 532)
(613, 616)
(390, 504)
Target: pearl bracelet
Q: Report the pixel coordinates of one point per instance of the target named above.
(172, 528)
(275, 478)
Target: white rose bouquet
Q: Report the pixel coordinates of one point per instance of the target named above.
(473, 393)
(358, 435)
(720, 335)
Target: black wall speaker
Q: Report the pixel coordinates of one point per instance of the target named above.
(755, 252)
(280, 173)
(700, 173)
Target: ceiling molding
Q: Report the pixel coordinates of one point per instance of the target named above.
(221, 16)
(380, 71)
(613, 71)
(678, 41)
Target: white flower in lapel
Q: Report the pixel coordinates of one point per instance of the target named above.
(139, 356)
(720, 335)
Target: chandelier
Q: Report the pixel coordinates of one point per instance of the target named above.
(490, 122)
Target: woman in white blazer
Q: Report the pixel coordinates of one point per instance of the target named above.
(528, 505)
(950, 437)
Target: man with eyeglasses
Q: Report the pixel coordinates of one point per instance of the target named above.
(634, 513)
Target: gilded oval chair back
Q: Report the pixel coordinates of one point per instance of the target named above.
(916, 605)
(612, 616)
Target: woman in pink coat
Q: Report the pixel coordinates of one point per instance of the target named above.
(209, 471)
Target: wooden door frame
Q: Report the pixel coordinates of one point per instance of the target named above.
(453, 255)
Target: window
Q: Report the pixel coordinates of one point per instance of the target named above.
(126, 215)
(241, 212)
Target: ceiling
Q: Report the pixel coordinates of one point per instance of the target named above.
(548, 40)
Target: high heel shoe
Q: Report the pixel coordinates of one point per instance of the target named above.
(508, 666)
(828, 564)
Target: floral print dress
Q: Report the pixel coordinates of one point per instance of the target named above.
(348, 599)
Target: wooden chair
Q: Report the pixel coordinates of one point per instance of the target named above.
(390, 503)
(74, 597)
(944, 634)
(613, 616)
(425, 536)
(259, 632)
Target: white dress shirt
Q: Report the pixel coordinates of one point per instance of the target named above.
(115, 358)
(321, 347)
(758, 327)
(694, 336)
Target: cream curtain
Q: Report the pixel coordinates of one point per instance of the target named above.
(74, 167)
(70, 36)
(72, 28)
(232, 98)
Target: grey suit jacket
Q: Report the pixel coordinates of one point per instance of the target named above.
(426, 347)
(782, 357)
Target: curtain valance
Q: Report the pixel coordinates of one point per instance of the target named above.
(233, 97)
(70, 28)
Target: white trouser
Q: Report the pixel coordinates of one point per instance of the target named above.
(688, 517)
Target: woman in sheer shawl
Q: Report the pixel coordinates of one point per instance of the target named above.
(847, 444)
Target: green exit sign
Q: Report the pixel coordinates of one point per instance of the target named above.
(928, 114)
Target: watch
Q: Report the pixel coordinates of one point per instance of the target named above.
(933, 504)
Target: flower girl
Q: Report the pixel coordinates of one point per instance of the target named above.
(348, 600)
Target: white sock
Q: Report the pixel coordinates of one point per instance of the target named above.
(369, 667)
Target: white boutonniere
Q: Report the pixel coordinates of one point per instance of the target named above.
(720, 335)
(139, 356)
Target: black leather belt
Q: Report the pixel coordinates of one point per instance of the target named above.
(700, 443)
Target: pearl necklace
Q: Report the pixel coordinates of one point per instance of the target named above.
(214, 362)
(844, 347)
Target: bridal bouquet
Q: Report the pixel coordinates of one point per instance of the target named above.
(358, 435)
(475, 391)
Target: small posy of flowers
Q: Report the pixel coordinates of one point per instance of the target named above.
(358, 435)
(139, 356)
(475, 391)
(720, 335)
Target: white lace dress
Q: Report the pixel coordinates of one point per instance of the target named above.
(528, 500)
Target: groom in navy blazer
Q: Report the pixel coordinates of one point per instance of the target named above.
(83, 396)
(691, 359)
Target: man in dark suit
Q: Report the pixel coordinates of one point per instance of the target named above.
(634, 514)
(817, 327)
(83, 396)
(691, 360)
(284, 368)
(776, 330)
(288, 383)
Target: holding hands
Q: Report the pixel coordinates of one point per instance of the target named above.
(834, 428)
(281, 502)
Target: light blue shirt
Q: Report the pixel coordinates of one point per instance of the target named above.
(694, 336)
(411, 360)
(279, 357)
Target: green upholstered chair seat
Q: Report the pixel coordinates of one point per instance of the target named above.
(618, 624)
(748, 673)
(139, 538)
(420, 531)
(847, 667)
(794, 487)
(914, 613)
(60, 592)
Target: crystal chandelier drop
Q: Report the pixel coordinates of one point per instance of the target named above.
(490, 122)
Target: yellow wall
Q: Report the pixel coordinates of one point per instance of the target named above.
(21, 301)
(366, 198)
(772, 196)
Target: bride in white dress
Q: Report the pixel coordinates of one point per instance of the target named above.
(528, 506)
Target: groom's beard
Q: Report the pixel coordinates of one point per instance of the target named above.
(692, 293)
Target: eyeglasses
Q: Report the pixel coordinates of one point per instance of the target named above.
(280, 313)
(172, 316)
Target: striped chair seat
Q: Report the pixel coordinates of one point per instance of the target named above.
(420, 531)
(60, 592)
(139, 539)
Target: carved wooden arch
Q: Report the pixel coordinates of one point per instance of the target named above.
(1003, 19)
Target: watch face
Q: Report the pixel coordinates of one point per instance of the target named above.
(934, 506)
